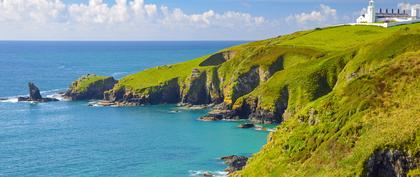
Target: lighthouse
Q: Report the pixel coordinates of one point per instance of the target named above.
(371, 12)
(388, 18)
(414, 13)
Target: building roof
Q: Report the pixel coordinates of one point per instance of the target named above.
(394, 15)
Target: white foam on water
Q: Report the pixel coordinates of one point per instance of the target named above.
(10, 100)
(271, 130)
(55, 93)
(52, 91)
(58, 96)
(200, 173)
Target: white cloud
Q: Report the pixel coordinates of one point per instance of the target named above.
(125, 16)
(39, 11)
(408, 6)
(322, 17)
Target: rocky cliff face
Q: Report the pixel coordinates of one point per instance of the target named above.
(205, 85)
(167, 92)
(195, 90)
(90, 87)
(391, 163)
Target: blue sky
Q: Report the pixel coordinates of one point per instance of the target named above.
(268, 8)
(173, 19)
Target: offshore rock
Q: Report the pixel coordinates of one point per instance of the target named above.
(35, 95)
(246, 125)
(220, 114)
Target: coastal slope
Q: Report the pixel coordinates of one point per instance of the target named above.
(346, 98)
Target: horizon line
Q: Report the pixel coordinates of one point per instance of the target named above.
(26, 40)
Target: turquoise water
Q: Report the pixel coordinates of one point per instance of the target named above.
(73, 139)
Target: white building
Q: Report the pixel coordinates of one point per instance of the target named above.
(387, 17)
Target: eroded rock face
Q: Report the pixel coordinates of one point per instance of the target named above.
(93, 90)
(35, 95)
(167, 92)
(252, 109)
(246, 83)
(202, 87)
(234, 163)
(390, 163)
(196, 91)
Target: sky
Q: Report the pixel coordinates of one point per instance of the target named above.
(156, 20)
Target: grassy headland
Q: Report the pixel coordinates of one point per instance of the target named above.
(347, 98)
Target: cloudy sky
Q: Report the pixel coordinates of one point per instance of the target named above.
(173, 19)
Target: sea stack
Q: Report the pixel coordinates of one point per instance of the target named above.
(35, 95)
(34, 92)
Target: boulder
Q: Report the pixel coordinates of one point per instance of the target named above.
(234, 163)
(208, 174)
(246, 125)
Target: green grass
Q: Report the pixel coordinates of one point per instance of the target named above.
(82, 84)
(156, 76)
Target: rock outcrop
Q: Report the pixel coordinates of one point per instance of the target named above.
(234, 163)
(166, 92)
(391, 163)
(196, 91)
(221, 112)
(35, 95)
(246, 125)
(90, 87)
(202, 87)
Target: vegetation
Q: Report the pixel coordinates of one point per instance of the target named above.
(83, 83)
(155, 76)
(336, 134)
(342, 93)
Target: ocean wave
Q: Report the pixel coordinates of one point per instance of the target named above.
(53, 91)
(208, 173)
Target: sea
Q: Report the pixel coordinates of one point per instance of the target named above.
(70, 138)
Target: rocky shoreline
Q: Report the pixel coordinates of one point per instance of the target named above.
(234, 163)
(201, 89)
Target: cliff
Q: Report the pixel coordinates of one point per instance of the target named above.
(90, 87)
(346, 98)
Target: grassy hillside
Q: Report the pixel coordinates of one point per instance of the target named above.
(300, 55)
(347, 98)
(336, 135)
